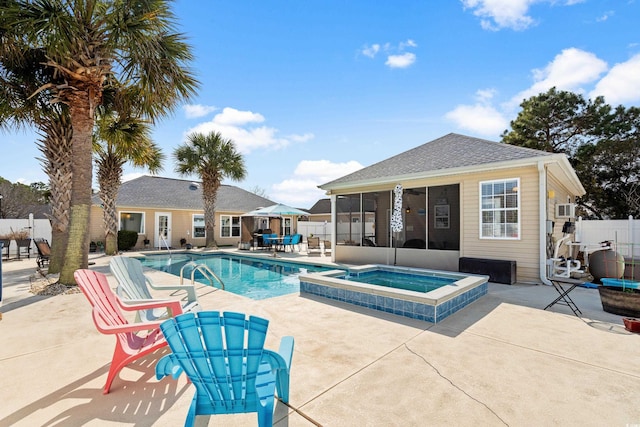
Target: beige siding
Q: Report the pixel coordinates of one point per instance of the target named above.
(525, 250)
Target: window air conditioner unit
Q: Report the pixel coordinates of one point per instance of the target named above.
(566, 210)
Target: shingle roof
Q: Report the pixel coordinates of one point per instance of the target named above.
(157, 192)
(450, 151)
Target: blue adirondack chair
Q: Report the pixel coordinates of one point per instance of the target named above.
(230, 376)
(133, 286)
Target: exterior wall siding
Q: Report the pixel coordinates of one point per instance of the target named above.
(524, 250)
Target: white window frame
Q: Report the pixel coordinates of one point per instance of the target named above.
(142, 219)
(230, 226)
(500, 228)
(193, 226)
(287, 225)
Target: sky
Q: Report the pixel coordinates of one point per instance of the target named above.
(313, 90)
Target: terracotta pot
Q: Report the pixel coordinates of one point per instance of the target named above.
(631, 324)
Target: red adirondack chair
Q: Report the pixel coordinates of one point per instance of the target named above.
(133, 340)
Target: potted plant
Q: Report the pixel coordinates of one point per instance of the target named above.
(620, 296)
(23, 240)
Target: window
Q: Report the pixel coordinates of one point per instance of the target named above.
(500, 209)
(198, 226)
(229, 226)
(132, 221)
(286, 226)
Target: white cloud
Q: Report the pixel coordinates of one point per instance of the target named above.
(482, 117)
(231, 116)
(401, 61)
(396, 55)
(622, 84)
(408, 43)
(371, 51)
(497, 14)
(570, 70)
(196, 110)
(301, 138)
(302, 189)
(238, 126)
(605, 16)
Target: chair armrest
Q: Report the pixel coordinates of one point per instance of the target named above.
(119, 329)
(168, 365)
(134, 305)
(286, 350)
(280, 366)
(190, 289)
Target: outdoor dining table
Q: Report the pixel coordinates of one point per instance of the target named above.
(275, 242)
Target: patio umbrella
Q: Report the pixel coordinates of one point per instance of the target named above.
(396, 217)
(276, 211)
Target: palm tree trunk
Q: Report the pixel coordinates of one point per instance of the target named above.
(109, 181)
(56, 147)
(77, 251)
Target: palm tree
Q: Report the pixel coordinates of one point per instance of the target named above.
(21, 75)
(212, 158)
(119, 140)
(92, 44)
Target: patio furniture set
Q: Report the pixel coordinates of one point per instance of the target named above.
(222, 354)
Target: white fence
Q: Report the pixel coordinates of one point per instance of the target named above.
(623, 233)
(40, 228)
(320, 229)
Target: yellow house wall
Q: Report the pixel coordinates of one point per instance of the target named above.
(181, 226)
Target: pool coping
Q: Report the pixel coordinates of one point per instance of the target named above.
(432, 306)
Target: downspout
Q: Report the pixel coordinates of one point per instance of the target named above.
(542, 207)
(334, 225)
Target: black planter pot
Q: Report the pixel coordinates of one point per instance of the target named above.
(621, 302)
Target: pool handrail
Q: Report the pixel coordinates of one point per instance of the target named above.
(204, 270)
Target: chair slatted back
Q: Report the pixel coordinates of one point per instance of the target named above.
(130, 276)
(106, 310)
(221, 354)
(44, 250)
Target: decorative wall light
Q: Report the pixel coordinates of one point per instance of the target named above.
(408, 210)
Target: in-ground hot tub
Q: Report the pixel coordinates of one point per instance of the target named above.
(429, 295)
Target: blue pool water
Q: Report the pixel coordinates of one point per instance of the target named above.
(250, 277)
(397, 280)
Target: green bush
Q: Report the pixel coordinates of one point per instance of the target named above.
(127, 239)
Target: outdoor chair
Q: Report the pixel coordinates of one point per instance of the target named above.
(133, 285)
(286, 241)
(44, 251)
(295, 241)
(327, 246)
(133, 340)
(223, 355)
(313, 245)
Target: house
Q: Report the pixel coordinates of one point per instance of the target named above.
(164, 211)
(462, 198)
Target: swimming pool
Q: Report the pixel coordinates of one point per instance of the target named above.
(429, 295)
(252, 277)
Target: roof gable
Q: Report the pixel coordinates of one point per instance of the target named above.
(448, 152)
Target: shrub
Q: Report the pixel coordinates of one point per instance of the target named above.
(127, 239)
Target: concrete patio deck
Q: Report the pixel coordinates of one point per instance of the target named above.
(503, 360)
